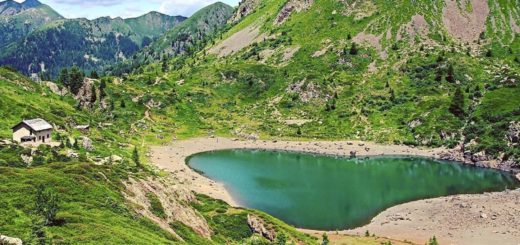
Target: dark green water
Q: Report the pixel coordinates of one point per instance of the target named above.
(327, 193)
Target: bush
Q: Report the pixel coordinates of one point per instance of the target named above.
(47, 204)
(232, 226)
(457, 103)
(156, 206)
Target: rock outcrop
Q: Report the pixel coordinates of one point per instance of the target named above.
(290, 7)
(513, 135)
(86, 95)
(258, 226)
(173, 199)
(245, 8)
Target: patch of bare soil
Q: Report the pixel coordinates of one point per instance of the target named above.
(290, 7)
(462, 24)
(490, 218)
(173, 197)
(289, 53)
(238, 41)
(372, 40)
(306, 91)
(416, 27)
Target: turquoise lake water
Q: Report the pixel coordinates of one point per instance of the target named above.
(328, 193)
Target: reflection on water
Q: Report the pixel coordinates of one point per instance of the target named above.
(328, 193)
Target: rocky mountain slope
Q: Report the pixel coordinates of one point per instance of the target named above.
(89, 44)
(417, 73)
(184, 39)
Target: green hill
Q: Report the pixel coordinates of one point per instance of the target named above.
(182, 40)
(19, 19)
(423, 73)
(92, 195)
(40, 41)
(372, 70)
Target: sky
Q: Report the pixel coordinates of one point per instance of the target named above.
(123, 8)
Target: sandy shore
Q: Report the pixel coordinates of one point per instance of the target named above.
(465, 219)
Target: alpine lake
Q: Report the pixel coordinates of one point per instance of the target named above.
(333, 193)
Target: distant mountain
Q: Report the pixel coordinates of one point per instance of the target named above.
(19, 19)
(89, 44)
(183, 38)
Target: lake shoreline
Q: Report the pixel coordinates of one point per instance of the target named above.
(173, 158)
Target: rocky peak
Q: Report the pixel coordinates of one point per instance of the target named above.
(245, 8)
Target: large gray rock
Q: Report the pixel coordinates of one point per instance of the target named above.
(86, 143)
(245, 8)
(10, 240)
(513, 135)
(85, 95)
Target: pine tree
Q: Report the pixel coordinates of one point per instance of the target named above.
(164, 66)
(64, 77)
(38, 236)
(325, 239)
(489, 53)
(450, 77)
(75, 79)
(122, 105)
(457, 103)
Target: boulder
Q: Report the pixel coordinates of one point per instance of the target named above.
(26, 159)
(72, 154)
(85, 95)
(87, 143)
(55, 89)
(353, 154)
(10, 240)
(257, 225)
(513, 134)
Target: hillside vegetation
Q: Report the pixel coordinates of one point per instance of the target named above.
(37, 40)
(371, 70)
(422, 73)
(82, 189)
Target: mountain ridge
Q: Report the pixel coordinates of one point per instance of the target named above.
(90, 44)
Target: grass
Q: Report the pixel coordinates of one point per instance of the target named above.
(91, 205)
(243, 94)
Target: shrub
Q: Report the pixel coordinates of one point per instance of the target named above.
(156, 206)
(47, 204)
(457, 103)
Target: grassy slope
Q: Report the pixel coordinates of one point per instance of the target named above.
(242, 92)
(92, 206)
